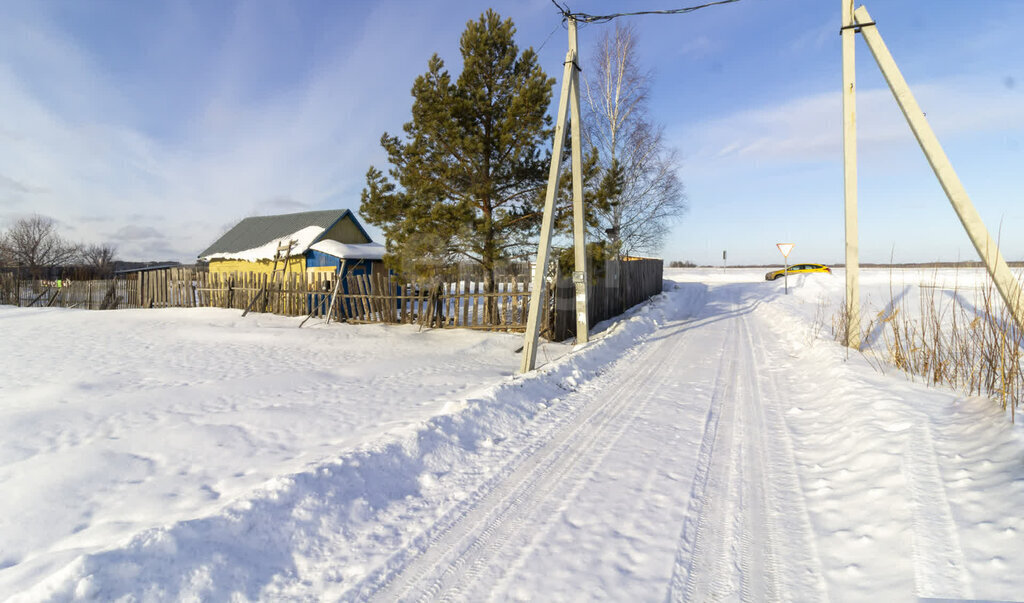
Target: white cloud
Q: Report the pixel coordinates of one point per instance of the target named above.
(280, 205)
(11, 183)
(698, 46)
(137, 233)
(302, 147)
(809, 128)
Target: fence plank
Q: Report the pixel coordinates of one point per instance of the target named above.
(476, 304)
(379, 297)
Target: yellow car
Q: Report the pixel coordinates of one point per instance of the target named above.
(797, 269)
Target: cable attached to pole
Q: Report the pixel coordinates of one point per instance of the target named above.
(588, 18)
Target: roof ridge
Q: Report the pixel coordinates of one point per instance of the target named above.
(255, 231)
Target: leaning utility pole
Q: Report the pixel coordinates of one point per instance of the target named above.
(1006, 283)
(570, 96)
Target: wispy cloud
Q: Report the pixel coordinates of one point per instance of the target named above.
(698, 46)
(71, 149)
(20, 187)
(281, 205)
(814, 39)
(809, 128)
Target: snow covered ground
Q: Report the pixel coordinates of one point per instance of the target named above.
(712, 444)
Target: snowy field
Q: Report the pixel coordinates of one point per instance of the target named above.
(715, 443)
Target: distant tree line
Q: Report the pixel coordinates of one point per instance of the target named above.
(34, 247)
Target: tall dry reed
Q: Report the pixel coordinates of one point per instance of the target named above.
(973, 346)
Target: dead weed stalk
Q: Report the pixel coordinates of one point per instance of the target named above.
(970, 345)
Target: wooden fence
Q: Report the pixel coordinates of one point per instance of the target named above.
(89, 295)
(378, 298)
(622, 285)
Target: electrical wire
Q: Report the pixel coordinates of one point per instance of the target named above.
(548, 39)
(588, 18)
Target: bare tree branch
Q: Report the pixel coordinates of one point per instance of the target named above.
(34, 243)
(645, 193)
(100, 257)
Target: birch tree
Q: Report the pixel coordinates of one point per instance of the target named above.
(645, 195)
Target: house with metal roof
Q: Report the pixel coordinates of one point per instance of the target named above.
(313, 241)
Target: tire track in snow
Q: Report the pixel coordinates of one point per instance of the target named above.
(801, 572)
(538, 506)
(543, 517)
(550, 485)
(940, 569)
(698, 557)
(759, 567)
(747, 534)
(731, 556)
(458, 550)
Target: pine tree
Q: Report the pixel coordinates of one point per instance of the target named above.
(465, 178)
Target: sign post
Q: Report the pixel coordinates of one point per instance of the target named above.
(785, 248)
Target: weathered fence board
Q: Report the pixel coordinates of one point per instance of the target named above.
(377, 298)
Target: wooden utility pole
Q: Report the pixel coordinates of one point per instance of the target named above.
(850, 177)
(581, 276)
(987, 248)
(570, 95)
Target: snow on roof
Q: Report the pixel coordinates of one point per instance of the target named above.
(350, 251)
(256, 231)
(303, 239)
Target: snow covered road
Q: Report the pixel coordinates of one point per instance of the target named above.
(694, 471)
(676, 476)
(712, 445)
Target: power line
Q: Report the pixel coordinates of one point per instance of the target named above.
(588, 18)
(548, 39)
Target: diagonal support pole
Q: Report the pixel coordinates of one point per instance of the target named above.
(987, 247)
(532, 335)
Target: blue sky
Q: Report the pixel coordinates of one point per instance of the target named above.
(157, 125)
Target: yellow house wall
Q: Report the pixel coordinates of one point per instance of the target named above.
(295, 264)
(345, 231)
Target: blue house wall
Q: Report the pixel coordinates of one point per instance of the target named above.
(319, 259)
